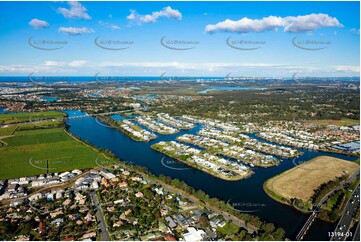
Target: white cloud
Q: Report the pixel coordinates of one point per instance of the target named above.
(109, 25)
(355, 31)
(76, 11)
(38, 24)
(185, 65)
(294, 24)
(78, 63)
(355, 69)
(310, 22)
(75, 31)
(17, 69)
(114, 27)
(132, 15)
(167, 12)
(53, 63)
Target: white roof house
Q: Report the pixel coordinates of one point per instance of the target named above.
(193, 234)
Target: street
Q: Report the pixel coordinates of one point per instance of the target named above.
(342, 230)
(104, 234)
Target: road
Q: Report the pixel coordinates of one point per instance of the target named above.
(104, 233)
(195, 200)
(342, 231)
(306, 226)
(312, 217)
(356, 236)
(61, 119)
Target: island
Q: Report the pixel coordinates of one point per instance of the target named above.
(202, 160)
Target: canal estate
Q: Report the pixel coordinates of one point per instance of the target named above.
(246, 195)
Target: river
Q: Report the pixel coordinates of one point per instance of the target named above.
(247, 195)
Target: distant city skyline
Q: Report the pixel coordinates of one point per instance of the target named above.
(253, 39)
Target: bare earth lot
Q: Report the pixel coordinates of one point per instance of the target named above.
(341, 122)
(300, 182)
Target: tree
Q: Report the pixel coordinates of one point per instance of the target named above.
(204, 221)
(268, 227)
(241, 234)
(278, 234)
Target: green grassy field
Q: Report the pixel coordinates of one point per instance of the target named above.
(228, 229)
(7, 130)
(25, 153)
(27, 117)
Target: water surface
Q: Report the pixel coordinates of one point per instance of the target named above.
(247, 194)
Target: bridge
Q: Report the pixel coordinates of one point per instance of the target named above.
(77, 117)
(96, 114)
(312, 217)
(306, 226)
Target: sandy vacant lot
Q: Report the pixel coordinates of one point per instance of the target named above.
(299, 182)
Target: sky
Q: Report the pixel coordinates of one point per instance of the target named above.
(253, 39)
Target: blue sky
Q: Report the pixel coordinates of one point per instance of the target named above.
(214, 38)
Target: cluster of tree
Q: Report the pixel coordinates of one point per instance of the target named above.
(325, 188)
(272, 104)
(334, 206)
(250, 220)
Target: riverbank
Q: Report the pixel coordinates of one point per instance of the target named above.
(140, 153)
(136, 128)
(236, 152)
(332, 151)
(212, 204)
(202, 168)
(301, 183)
